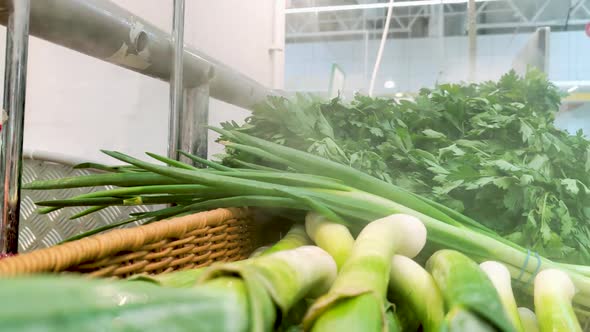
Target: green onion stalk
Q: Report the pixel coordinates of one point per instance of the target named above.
(553, 302)
(296, 237)
(72, 304)
(468, 293)
(335, 191)
(413, 287)
(357, 299)
(500, 278)
(333, 237)
(226, 297)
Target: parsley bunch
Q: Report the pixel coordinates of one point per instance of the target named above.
(489, 151)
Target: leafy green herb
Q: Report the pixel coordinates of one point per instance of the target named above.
(489, 150)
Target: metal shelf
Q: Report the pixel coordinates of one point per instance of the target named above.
(103, 30)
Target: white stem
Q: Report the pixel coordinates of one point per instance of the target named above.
(381, 46)
(528, 320)
(553, 295)
(500, 277)
(330, 236)
(411, 234)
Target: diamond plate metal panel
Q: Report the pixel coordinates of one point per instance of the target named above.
(39, 231)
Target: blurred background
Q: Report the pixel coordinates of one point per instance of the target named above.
(76, 104)
(428, 43)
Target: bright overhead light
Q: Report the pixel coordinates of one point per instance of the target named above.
(375, 5)
(572, 89)
(389, 84)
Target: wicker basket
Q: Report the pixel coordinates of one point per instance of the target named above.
(180, 243)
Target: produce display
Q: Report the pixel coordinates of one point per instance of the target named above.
(464, 210)
(296, 285)
(489, 151)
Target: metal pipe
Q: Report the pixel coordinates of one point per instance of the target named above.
(104, 30)
(15, 82)
(176, 80)
(472, 34)
(195, 117)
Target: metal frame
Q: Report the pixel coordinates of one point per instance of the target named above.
(105, 31)
(15, 82)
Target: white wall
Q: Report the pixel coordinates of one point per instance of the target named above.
(77, 105)
(416, 63)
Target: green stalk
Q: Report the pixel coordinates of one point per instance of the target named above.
(500, 278)
(88, 211)
(288, 179)
(309, 163)
(261, 153)
(528, 319)
(306, 162)
(465, 286)
(295, 238)
(357, 299)
(205, 162)
(171, 162)
(106, 179)
(553, 302)
(101, 201)
(72, 304)
(194, 189)
(254, 166)
(332, 237)
(285, 276)
(412, 286)
(460, 320)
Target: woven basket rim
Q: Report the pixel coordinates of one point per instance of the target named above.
(100, 246)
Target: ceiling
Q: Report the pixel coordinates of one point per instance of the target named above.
(497, 16)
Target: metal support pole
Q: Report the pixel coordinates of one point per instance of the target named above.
(193, 121)
(472, 33)
(15, 81)
(176, 81)
(106, 31)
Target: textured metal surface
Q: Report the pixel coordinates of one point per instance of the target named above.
(39, 231)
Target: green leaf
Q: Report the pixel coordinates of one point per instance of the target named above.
(447, 188)
(454, 149)
(503, 182)
(376, 131)
(526, 179)
(526, 130)
(480, 182)
(505, 166)
(571, 185)
(433, 133)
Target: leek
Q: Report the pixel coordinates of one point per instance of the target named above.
(466, 287)
(553, 302)
(413, 286)
(528, 320)
(73, 304)
(500, 278)
(332, 237)
(357, 299)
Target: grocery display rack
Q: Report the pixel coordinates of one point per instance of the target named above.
(103, 30)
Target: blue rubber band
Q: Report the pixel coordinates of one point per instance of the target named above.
(524, 265)
(536, 270)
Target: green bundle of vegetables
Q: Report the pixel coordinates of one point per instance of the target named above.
(337, 192)
(295, 286)
(489, 151)
(344, 202)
